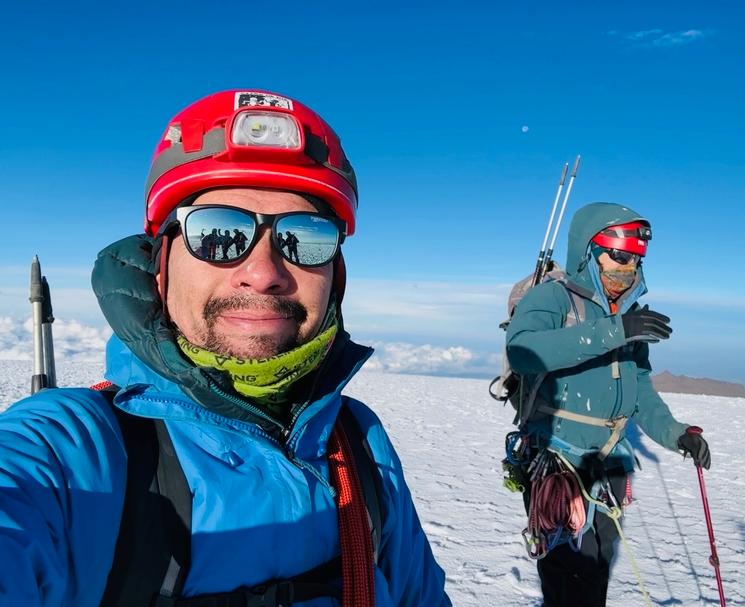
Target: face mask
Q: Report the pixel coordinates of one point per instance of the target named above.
(617, 281)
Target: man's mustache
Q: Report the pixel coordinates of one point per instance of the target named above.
(283, 306)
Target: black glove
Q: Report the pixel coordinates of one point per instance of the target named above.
(643, 324)
(693, 444)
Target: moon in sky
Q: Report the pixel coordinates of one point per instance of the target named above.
(525, 129)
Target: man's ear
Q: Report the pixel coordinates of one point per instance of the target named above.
(160, 267)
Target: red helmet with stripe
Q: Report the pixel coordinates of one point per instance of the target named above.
(249, 138)
(631, 237)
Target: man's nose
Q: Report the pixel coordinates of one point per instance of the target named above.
(264, 270)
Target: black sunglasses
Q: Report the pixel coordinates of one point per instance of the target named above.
(224, 234)
(623, 257)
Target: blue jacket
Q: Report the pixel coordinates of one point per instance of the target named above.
(259, 512)
(262, 508)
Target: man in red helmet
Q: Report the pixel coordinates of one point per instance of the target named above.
(580, 345)
(221, 465)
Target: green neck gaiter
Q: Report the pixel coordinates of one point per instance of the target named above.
(268, 381)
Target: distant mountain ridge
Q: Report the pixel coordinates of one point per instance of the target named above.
(680, 384)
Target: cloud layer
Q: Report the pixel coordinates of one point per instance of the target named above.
(73, 341)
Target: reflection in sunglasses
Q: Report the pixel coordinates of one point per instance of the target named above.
(303, 238)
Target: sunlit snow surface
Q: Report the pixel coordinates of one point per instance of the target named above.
(449, 434)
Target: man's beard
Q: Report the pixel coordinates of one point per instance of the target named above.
(269, 345)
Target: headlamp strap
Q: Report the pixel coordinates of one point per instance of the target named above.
(213, 142)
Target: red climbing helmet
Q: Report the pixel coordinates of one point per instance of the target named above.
(249, 138)
(631, 237)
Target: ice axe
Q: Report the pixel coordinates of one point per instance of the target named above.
(713, 558)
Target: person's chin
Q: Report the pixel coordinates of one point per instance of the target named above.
(259, 339)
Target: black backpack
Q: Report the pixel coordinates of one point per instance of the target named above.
(152, 555)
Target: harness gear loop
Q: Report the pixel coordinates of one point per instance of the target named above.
(616, 425)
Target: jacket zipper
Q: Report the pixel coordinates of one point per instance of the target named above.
(284, 432)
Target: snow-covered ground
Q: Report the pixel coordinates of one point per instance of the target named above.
(449, 434)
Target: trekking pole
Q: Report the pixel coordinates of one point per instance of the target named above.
(542, 253)
(47, 318)
(714, 557)
(36, 297)
(550, 252)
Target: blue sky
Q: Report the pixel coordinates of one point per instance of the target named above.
(430, 101)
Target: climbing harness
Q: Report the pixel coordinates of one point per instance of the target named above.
(613, 512)
(615, 425)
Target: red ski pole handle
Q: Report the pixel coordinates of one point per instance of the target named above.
(694, 430)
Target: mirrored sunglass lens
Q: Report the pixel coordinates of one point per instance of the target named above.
(218, 234)
(307, 239)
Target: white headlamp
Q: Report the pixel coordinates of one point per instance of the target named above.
(265, 129)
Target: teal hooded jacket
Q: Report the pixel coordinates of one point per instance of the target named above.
(263, 507)
(591, 369)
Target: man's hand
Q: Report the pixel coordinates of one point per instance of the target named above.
(693, 444)
(643, 324)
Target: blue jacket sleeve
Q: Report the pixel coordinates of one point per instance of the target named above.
(410, 572)
(537, 341)
(62, 478)
(652, 413)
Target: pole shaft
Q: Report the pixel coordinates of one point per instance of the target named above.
(714, 558)
(537, 274)
(564, 204)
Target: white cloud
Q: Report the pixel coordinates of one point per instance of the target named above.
(640, 35)
(73, 341)
(401, 357)
(657, 38)
(678, 38)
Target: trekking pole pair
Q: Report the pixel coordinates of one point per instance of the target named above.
(544, 257)
(41, 304)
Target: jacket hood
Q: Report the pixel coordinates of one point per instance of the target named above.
(144, 348)
(588, 221)
(581, 268)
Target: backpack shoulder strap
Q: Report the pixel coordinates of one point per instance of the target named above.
(576, 314)
(157, 506)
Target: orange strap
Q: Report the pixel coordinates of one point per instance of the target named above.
(357, 560)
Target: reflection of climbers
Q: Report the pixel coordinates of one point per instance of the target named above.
(291, 243)
(239, 239)
(209, 244)
(226, 241)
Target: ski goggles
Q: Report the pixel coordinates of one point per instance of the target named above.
(623, 257)
(222, 234)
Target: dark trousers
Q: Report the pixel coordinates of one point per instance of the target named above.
(580, 579)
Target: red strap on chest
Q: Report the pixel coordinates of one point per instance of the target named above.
(357, 560)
